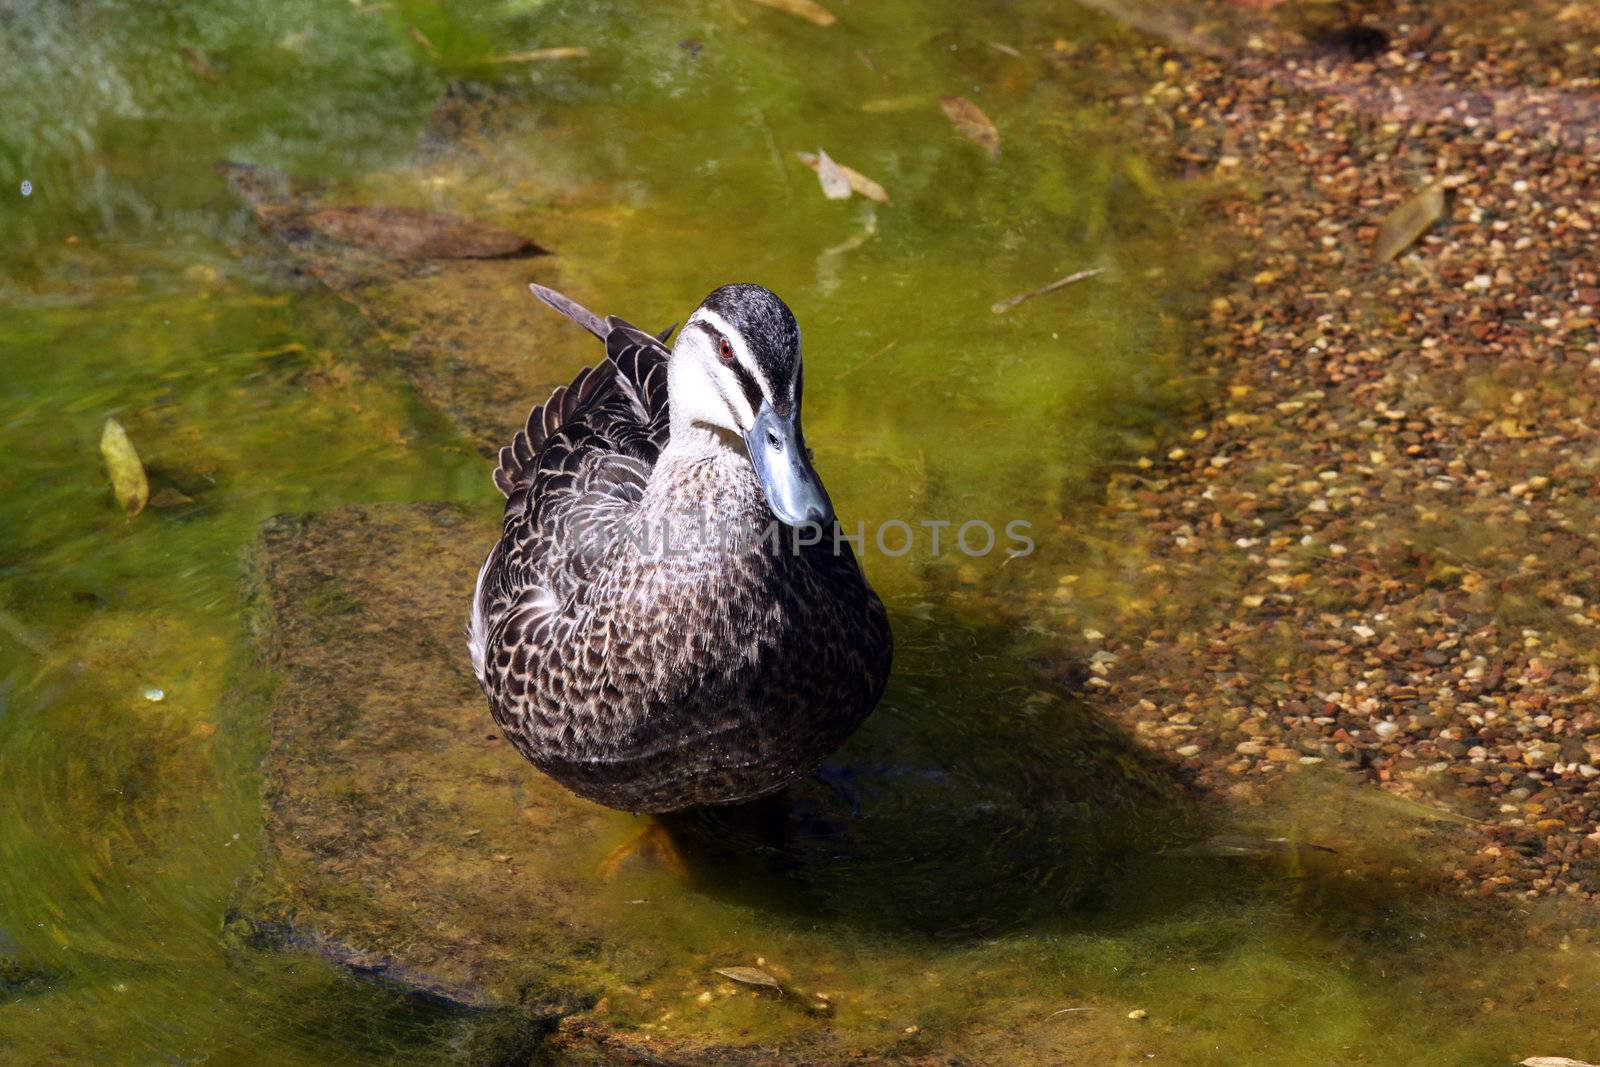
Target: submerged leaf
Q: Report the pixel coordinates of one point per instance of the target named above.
(806, 9)
(1554, 1061)
(751, 976)
(1223, 845)
(539, 55)
(1408, 222)
(168, 497)
(972, 123)
(413, 234)
(197, 62)
(884, 105)
(423, 40)
(835, 182)
(127, 472)
(859, 183)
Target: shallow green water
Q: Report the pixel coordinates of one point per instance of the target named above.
(137, 285)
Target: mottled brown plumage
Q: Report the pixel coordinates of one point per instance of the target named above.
(646, 631)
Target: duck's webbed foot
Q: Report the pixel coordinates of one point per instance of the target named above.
(652, 841)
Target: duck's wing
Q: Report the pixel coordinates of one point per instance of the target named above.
(580, 465)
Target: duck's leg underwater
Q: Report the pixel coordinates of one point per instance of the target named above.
(708, 835)
(653, 840)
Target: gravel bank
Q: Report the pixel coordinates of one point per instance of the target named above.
(1376, 542)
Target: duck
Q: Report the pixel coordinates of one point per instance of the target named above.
(673, 616)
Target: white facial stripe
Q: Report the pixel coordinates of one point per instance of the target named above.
(704, 390)
(741, 350)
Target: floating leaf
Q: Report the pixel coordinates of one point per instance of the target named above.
(1003, 306)
(751, 976)
(122, 462)
(858, 182)
(413, 234)
(1554, 1061)
(972, 123)
(835, 182)
(806, 9)
(1408, 222)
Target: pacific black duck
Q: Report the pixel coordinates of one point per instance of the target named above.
(671, 616)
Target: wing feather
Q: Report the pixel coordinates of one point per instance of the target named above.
(594, 442)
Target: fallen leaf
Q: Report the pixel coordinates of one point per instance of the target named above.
(127, 472)
(835, 182)
(1408, 222)
(1554, 1061)
(413, 234)
(859, 183)
(1003, 306)
(197, 62)
(751, 976)
(422, 39)
(885, 105)
(806, 9)
(539, 55)
(972, 123)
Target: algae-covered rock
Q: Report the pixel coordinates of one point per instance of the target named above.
(400, 827)
(405, 841)
(408, 843)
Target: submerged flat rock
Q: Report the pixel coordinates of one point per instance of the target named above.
(406, 841)
(392, 811)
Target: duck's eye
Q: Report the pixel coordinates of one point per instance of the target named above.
(725, 349)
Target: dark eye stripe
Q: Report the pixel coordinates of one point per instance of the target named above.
(747, 381)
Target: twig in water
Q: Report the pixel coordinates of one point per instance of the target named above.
(1060, 283)
(868, 359)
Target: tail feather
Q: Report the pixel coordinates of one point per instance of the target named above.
(572, 310)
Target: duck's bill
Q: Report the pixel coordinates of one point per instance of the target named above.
(778, 452)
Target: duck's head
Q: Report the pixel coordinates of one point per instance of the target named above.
(736, 371)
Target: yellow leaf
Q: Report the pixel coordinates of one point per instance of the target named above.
(540, 55)
(127, 472)
(1408, 222)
